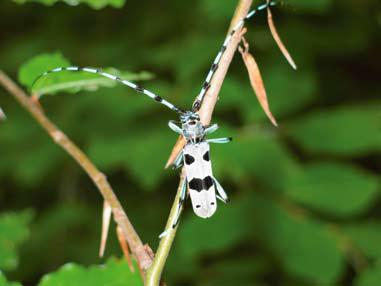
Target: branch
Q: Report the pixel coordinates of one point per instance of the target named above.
(143, 256)
(211, 96)
(154, 272)
(206, 111)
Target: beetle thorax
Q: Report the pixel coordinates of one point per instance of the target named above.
(193, 130)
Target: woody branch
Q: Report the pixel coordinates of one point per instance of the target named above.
(140, 251)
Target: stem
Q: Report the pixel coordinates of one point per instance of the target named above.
(138, 249)
(154, 272)
(206, 111)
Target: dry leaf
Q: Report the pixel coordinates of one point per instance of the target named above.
(106, 217)
(256, 79)
(124, 246)
(180, 143)
(277, 39)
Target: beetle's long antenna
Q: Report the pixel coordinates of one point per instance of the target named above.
(197, 103)
(116, 78)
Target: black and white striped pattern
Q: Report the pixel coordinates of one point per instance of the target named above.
(197, 103)
(116, 78)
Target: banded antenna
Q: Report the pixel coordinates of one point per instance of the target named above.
(197, 103)
(132, 85)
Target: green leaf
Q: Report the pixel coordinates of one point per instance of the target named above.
(333, 188)
(32, 160)
(214, 231)
(253, 154)
(310, 6)
(73, 225)
(113, 273)
(144, 154)
(4, 282)
(229, 270)
(13, 232)
(36, 66)
(351, 130)
(306, 248)
(67, 81)
(95, 4)
(370, 277)
(217, 10)
(38, 160)
(202, 49)
(366, 237)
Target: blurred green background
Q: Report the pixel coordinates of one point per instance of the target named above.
(305, 197)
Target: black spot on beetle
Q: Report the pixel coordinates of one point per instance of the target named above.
(207, 182)
(198, 206)
(189, 159)
(195, 184)
(206, 156)
(198, 185)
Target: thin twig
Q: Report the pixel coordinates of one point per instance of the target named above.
(142, 256)
(106, 217)
(124, 246)
(206, 111)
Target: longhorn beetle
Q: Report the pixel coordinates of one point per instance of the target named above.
(195, 156)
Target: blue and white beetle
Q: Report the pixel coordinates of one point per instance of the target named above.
(203, 187)
(195, 156)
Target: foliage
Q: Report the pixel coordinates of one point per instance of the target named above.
(4, 282)
(96, 4)
(370, 277)
(333, 188)
(305, 197)
(113, 273)
(13, 231)
(362, 137)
